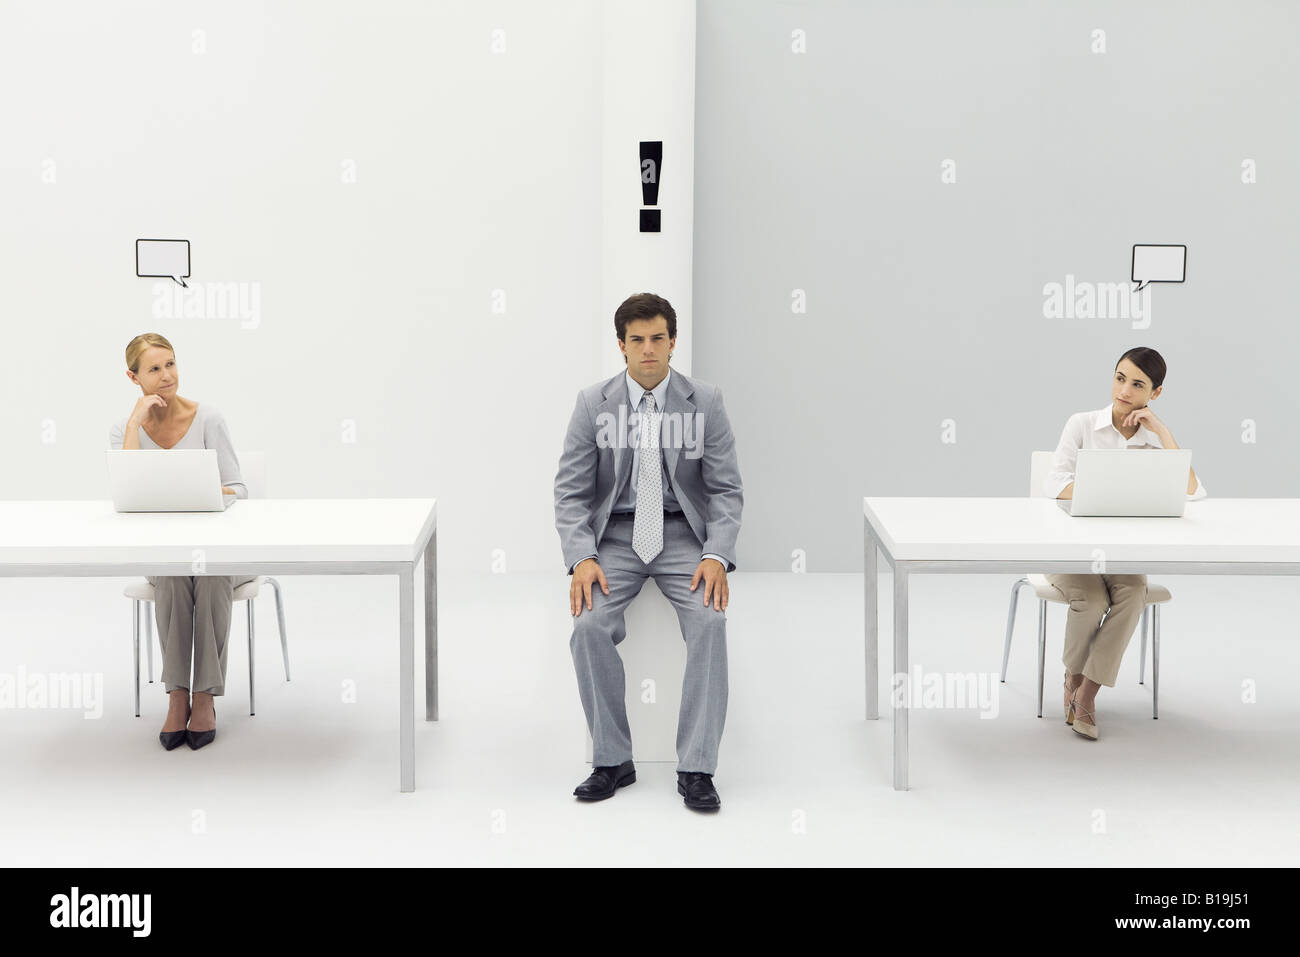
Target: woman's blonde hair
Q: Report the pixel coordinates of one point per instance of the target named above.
(142, 342)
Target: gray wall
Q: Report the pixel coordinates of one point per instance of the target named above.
(925, 301)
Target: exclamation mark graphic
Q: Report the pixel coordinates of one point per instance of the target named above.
(652, 156)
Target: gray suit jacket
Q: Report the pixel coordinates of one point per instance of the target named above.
(705, 479)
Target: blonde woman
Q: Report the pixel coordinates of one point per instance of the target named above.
(193, 612)
(1093, 647)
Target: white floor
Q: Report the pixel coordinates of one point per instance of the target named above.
(313, 779)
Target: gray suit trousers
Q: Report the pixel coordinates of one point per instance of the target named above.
(193, 614)
(599, 667)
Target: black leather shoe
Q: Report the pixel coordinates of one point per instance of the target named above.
(171, 740)
(697, 787)
(605, 781)
(197, 739)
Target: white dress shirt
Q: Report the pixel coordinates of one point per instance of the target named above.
(635, 399)
(1095, 430)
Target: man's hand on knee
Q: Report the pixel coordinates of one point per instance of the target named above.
(714, 574)
(587, 572)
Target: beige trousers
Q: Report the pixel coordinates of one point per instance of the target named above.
(1094, 651)
(193, 614)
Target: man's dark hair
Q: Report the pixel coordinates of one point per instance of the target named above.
(644, 305)
(1149, 361)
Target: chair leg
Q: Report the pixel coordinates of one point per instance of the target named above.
(1142, 661)
(148, 636)
(135, 635)
(279, 614)
(251, 657)
(1011, 624)
(1155, 662)
(1042, 649)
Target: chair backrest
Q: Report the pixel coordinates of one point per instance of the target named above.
(252, 469)
(1040, 463)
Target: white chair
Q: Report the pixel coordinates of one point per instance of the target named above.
(653, 650)
(1157, 595)
(252, 466)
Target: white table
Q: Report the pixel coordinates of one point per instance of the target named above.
(1022, 535)
(252, 537)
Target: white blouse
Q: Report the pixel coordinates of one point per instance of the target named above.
(1095, 430)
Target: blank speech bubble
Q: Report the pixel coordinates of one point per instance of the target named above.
(163, 259)
(1159, 264)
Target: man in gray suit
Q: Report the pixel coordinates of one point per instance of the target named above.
(648, 485)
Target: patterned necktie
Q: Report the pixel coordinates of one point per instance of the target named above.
(648, 526)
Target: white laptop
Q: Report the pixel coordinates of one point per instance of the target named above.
(166, 480)
(1130, 482)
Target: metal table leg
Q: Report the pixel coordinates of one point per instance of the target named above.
(871, 572)
(406, 615)
(900, 674)
(431, 628)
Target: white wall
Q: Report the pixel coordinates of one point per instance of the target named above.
(475, 171)
(649, 94)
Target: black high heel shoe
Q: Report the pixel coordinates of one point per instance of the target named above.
(198, 739)
(171, 740)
